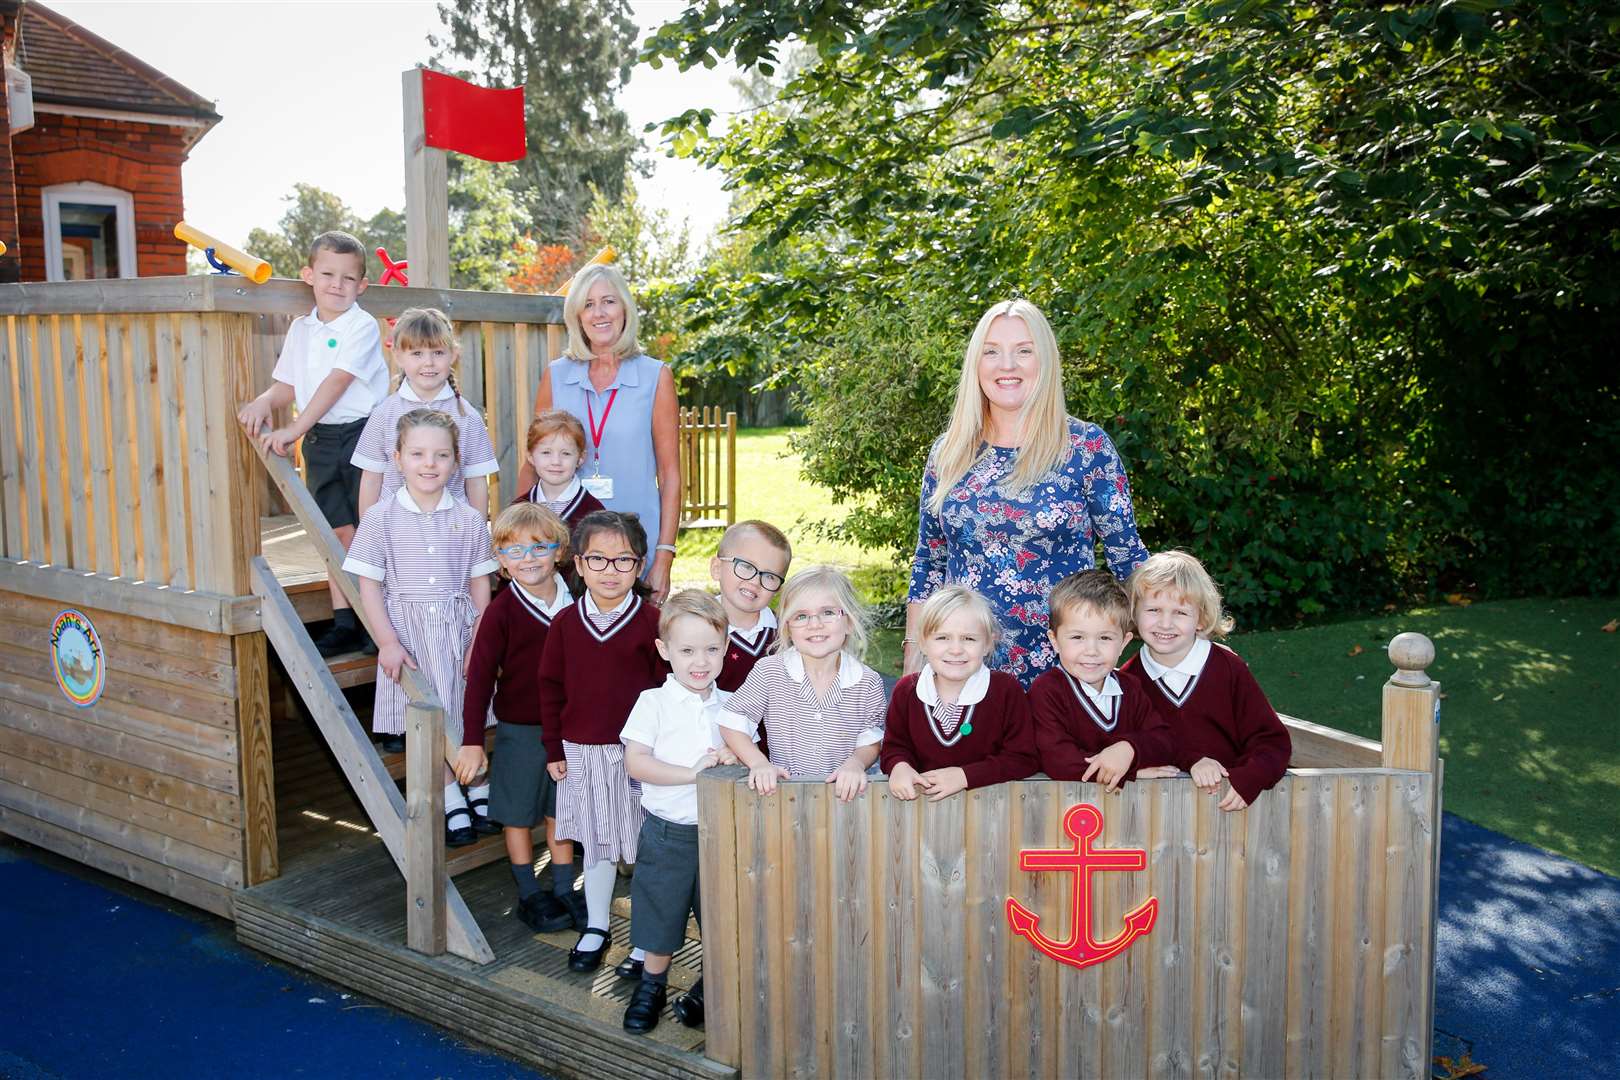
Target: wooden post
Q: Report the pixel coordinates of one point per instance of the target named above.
(424, 830)
(427, 195)
(1411, 706)
(731, 468)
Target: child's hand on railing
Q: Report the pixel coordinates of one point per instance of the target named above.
(848, 780)
(279, 441)
(391, 657)
(1111, 765)
(470, 761)
(762, 777)
(254, 416)
(1208, 773)
(903, 781)
(943, 783)
(708, 761)
(1158, 772)
(1231, 801)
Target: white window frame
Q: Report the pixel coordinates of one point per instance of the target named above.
(54, 196)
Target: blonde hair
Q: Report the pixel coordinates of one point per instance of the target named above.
(555, 422)
(836, 582)
(947, 602)
(698, 605)
(425, 328)
(432, 418)
(530, 519)
(1095, 589)
(578, 290)
(1045, 416)
(762, 529)
(1179, 573)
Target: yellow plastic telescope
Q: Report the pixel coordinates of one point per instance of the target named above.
(254, 269)
(2, 247)
(608, 254)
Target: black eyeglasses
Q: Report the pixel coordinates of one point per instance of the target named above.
(747, 571)
(623, 564)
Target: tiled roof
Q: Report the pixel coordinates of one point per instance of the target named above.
(72, 66)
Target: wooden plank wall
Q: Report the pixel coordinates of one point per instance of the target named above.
(147, 783)
(872, 939)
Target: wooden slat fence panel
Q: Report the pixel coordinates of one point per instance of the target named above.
(708, 455)
(927, 980)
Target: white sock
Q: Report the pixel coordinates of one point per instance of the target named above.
(454, 800)
(599, 880)
(638, 953)
(479, 792)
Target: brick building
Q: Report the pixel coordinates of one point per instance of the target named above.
(92, 188)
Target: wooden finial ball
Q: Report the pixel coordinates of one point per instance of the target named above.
(1411, 653)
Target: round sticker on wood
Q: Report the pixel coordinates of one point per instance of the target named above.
(81, 670)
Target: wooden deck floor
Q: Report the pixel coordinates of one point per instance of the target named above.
(344, 919)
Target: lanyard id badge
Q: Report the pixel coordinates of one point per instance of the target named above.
(597, 484)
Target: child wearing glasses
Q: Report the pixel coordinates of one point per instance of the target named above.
(423, 560)
(601, 653)
(823, 706)
(504, 667)
(749, 567)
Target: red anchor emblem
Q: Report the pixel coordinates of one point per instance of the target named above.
(1083, 822)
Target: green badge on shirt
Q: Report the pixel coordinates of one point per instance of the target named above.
(967, 729)
(331, 343)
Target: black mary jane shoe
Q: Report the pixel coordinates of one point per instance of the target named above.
(688, 1008)
(482, 823)
(459, 835)
(629, 970)
(646, 1002)
(588, 959)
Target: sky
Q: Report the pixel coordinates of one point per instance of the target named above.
(311, 92)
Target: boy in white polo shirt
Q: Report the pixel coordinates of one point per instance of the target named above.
(332, 370)
(671, 736)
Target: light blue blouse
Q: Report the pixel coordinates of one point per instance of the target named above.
(626, 453)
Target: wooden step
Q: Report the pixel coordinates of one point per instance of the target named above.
(353, 669)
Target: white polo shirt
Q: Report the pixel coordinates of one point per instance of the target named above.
(680, 727)
(314, 349)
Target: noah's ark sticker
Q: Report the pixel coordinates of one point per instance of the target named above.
(81, 670)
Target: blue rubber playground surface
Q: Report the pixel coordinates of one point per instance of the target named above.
(104, 983)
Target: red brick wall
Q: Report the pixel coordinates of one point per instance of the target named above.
(142, 159)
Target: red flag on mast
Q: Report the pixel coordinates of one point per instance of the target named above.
(473, 120)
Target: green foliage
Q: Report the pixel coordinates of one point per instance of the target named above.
(312, 211)
(571, 57)
(1337, 278)
(654, 255)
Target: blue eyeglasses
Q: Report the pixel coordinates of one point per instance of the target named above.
(520, 552)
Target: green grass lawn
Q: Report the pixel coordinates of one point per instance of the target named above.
(1530, 722)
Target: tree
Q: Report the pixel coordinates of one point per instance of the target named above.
(1333, 272)
(571, 57)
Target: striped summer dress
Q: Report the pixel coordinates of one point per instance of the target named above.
(375, 450)
(811, 736)
(424, 561)
(598, 805)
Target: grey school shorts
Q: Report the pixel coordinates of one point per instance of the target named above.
(328, 474)
(521, 792)
(665, 887)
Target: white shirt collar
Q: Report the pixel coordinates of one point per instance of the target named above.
(591, 609)
(567, 495)
(973, 692)
(1110, 688)
(849, 668)
(558, 601)
(403, 497)
(1189, 667)
(766, 621)
(408, 392)
(341, 322)
(675, 694)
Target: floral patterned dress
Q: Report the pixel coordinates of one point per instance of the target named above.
(1014, 546)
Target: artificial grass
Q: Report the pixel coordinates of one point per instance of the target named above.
(1530, 721)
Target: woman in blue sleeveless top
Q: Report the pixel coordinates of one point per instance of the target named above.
(626, 400)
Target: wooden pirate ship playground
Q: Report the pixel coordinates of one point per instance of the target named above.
(164, 717)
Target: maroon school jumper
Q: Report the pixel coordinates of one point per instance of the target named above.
(1069, 725)
(1000, 746)
(581, 504)
(590, 679)
(1223, 714)
(505, 664)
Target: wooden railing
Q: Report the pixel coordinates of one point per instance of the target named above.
(708, 468)
(873, 938)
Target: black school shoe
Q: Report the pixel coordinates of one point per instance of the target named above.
(588, 959)
(574, 902)
(482, 822)
(393, 744)
(343, 636)
(688, 1008)
(629, 969)
(544, 914)
(646, 1002)
(459, 836)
